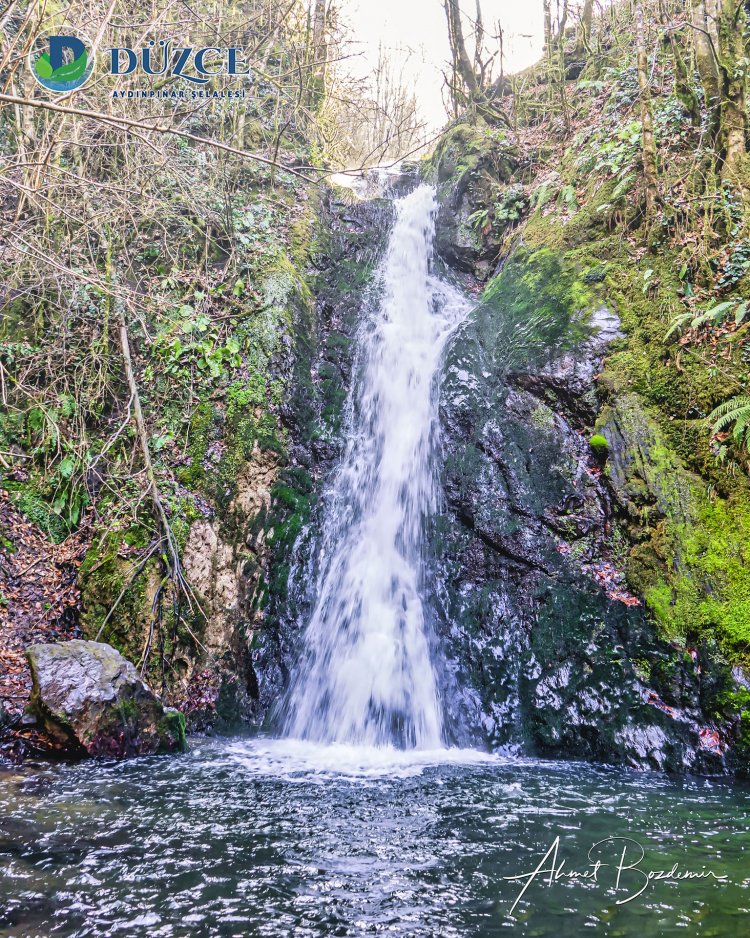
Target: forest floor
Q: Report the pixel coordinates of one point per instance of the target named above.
(38, 603)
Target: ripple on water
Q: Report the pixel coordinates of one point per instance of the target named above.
(273, 838)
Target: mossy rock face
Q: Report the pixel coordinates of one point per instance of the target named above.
(545, 646)
(92, 700)
(535, 309)
(33, 499)
(466, 150)
(516, 393)
(112, 594)
(692, 559)
(740, 756)
(473, 165)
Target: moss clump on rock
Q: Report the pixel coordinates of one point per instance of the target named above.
(599, 446)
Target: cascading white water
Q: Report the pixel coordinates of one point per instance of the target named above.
(365, 676)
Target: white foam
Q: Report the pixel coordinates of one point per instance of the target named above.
(302, 760)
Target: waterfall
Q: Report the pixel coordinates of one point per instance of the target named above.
(365, 675)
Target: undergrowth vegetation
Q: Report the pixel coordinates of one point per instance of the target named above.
(153, 279)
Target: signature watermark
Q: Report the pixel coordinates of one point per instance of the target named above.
(617, 863)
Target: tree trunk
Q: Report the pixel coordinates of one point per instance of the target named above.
(707, 64)
(683, 80)
(548, 28)
(562, 26)
(648, 150)
(319, 52)
(584, 29)
(478, 44)
(458, 47)
(733, 108)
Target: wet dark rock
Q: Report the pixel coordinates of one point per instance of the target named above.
(553, 654)
(569, 379)
(473, 177)
(92, 700)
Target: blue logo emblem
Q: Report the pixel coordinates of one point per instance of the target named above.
(63, 65)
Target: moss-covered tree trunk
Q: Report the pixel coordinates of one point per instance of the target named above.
(684, 85)
(705, 42)
(733, 62)
(648, 145)
(583, 34)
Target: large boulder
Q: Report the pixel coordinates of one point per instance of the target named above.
(90, 698)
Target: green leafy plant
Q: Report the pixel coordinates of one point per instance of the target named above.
(714, 317)
(736, 266)
(511, 206)
(569, 198)
(735, 411)
(479, 219)
(618, 154)
(545, 192)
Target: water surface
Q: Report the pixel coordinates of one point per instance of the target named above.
(277, 838)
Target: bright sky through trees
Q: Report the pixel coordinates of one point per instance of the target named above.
(414, 31)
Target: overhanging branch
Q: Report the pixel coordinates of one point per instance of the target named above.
(128, 122)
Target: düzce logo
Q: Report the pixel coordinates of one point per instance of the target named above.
(63, 66)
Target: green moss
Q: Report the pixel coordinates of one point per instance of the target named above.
(710, 588)
(597, 274)
(599, 446)
(534, 308)
(127, 709)
(173, 724)
(543, 417)
(465, 147)
(741, 751)
(291, 500)
(202, 430)
(31, 502)
(352, 275)
(691, 561)
(105, 577)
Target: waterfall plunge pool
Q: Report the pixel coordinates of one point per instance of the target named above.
(260, 837)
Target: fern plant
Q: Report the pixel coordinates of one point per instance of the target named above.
(714, 316)
(734, 411)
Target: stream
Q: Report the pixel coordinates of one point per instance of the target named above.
(276, 838)
(361, 818)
